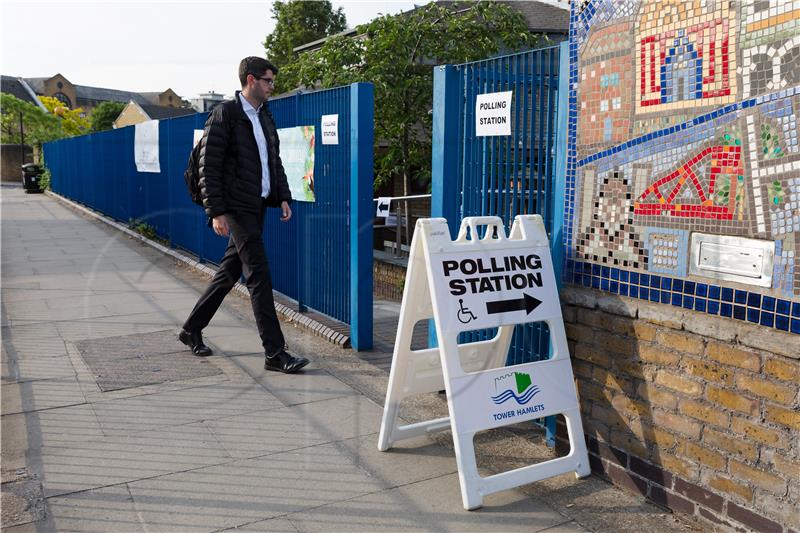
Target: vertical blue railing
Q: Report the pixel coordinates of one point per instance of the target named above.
(313, 257)
(506, 175)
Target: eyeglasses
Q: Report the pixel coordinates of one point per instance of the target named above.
(271, 81)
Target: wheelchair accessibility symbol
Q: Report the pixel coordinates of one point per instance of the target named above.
(465, 316)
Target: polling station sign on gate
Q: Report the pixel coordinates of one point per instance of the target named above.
(493, 114)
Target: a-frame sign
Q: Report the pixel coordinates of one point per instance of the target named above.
(474, 283)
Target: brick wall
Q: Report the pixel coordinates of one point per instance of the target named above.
(388, 280)
(699, 414)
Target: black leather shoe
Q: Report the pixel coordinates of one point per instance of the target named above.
(283, 362)
(194, 340)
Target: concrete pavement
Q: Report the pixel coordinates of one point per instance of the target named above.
(109, 424)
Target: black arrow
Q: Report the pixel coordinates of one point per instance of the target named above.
(527, 303)
(383, 207)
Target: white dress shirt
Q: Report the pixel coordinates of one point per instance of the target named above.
(261, 141)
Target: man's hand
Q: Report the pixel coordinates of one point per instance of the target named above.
(286, 211)
(220, 225)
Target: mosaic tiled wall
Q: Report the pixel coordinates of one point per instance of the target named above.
(683, 120)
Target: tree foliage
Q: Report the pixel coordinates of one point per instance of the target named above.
(397, 54)
(298, 23)
(72, 120)
(104, 115)
(38, 125)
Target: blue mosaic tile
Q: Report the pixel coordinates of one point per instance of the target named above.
(796, 309)
(783, 307)
(713, 308)
(615, 287)
(644, 280)
(752, 315)
(677, 285)
(634, 291)
(604, 284)
(688, 302)
(676, 300)
(655, 282)
(664, 297)
(768, 303)
(700, 304)
(713, 292)
(688, 287)
(739, 312)
(782, 322)
(666, 283)
(644, 293)
(726, 310)
(740, 297)
(623, 289)
(795, 325)
(753, 299)
(702, 290)
(767, 319)
(727, 294)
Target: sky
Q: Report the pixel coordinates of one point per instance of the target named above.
(190, 46)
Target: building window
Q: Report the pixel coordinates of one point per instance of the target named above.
(64, 99)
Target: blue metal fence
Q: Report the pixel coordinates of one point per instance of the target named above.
(311, 256)
(508, 175)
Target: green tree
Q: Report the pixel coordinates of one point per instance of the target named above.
(298, 23)
(104, 115)
(38, 125)
(397, 54)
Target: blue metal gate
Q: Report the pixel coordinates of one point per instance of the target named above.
(504, 176)
(322, 257)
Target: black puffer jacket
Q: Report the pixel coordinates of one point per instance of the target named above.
(230, 167)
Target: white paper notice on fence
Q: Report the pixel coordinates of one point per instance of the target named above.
(330, 129)
(198, 134)
(145, 147)
(297, 154)
(493, 114)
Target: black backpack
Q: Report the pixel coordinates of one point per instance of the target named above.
(192, 175)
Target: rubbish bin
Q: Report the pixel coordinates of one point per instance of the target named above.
(30, 178)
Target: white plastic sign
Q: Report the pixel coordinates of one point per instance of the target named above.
(489, 288)
(493, 114)
(474, 283)
(384, 206)
(330, 129)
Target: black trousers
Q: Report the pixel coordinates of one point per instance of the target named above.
(244, 255)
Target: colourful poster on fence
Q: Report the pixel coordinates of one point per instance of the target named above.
(297, 154)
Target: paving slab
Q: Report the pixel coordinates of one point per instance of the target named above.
(409, 461)
(311, 385)
(42, 394)
(56, 427)
(80, 466)
(183, 406)
(432, 505)
(18, 371)
(97, 511)
(249, 490)
(341, 418)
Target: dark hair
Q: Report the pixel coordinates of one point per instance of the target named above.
(256, 66)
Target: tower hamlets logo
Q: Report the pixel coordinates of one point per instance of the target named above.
(516, 385)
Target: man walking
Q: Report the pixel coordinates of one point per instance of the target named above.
(241, 174)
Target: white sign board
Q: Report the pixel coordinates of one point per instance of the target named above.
(474, 283)
(490, 288)
(493, 114)
(330, 129)
(145, 147)
(198, 134)
(384, 206)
